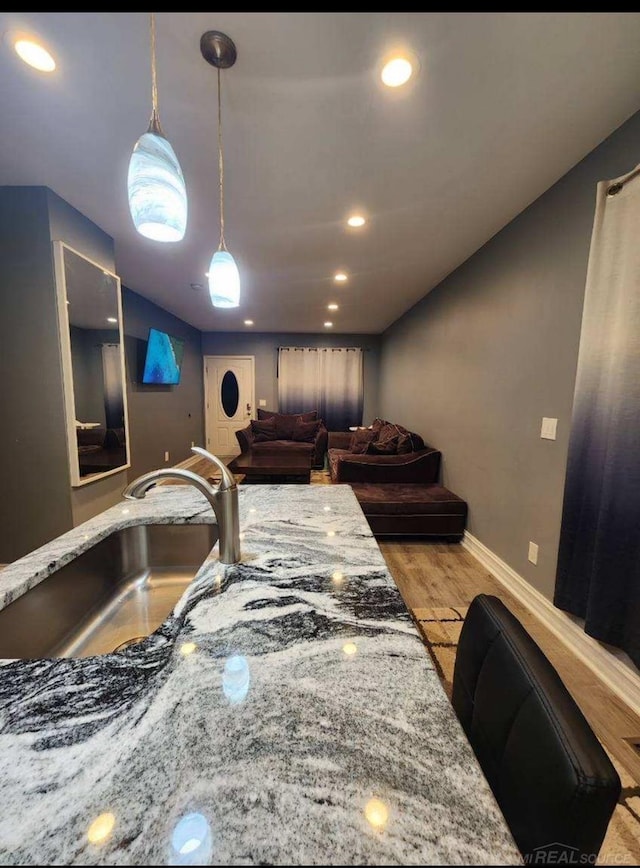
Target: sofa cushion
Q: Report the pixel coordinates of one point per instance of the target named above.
(285, 421)
(360, 440)
(390, 498)
(282, 446)
(305, 432)
(264, 430)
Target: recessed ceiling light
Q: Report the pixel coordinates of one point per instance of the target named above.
(34, 54)
(356, 220)
(340, 277)
(396, 71)
(328, 325)
(248, 322)
(332, 306)
(111, 319)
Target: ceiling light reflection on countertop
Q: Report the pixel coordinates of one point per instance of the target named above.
(101, 828)
(248, 322)
(350, 648)
(340, 277)
(356, 220)
(191, 840)
(328, 325)
(376, 813)
(332, 306)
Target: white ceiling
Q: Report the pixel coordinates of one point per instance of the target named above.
(504, 104)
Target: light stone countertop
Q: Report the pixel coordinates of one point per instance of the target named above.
(308, 726)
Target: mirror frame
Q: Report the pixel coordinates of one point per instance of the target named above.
(64, 333)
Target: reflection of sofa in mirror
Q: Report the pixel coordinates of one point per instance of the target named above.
(100, 449)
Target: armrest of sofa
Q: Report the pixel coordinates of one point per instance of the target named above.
(423, 466)
(245, 438)
(339, 439)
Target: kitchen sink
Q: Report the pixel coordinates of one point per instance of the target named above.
(114, 594)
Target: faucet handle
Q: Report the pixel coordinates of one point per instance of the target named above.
(227, 480)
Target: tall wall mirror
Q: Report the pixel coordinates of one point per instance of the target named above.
(93, 364)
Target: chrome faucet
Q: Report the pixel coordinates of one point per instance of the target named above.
(223, 499)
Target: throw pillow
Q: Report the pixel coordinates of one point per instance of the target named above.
(285, 421)
(404, 444)
(263, 430)
(388, 446)
(377, 424)
(361, 440)
(305, 432)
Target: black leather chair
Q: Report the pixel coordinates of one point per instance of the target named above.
(550, 775)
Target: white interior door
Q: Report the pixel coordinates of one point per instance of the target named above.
(229, 399)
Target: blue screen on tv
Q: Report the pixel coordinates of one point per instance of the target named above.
(164, 359)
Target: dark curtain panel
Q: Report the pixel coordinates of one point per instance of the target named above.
(113, 394)
(328, 380)
(598, 575)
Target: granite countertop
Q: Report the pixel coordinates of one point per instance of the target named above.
(306, 725)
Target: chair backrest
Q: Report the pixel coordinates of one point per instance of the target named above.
(551, 777)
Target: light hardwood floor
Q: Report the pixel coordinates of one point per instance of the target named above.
(445, 574)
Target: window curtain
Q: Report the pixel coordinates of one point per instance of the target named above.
(329, 380)
(598, 576)
(113, 397)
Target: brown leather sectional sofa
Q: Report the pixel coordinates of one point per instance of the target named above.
(399, 494)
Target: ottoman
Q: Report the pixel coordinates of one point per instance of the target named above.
(412, 508)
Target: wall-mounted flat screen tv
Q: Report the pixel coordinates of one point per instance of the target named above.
(163, 361)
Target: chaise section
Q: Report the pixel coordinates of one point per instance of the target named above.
(412, 509)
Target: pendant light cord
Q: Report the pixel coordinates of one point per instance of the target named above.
(222, 245)
(154, 125)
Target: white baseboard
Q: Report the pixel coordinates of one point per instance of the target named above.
(613, 672)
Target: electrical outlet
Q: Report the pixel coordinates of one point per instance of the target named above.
(533, 552)
(166, 456)
(262, 402)
(193, 442)
(548, 429)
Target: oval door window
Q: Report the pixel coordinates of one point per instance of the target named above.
(229, 394)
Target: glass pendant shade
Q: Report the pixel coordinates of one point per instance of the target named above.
(224, 280)
(157, 193)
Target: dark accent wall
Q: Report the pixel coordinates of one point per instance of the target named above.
(482, 358)
(69, 225)
(161, 418)
(34, 464)
(264, 346)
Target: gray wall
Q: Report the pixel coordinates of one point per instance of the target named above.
(476, 364)
(34, 466)
(264, 346)
(76, 230)
(161, 418)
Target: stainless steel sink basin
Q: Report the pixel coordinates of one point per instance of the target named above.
(116, 592)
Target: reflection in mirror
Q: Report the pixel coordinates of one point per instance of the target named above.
(96, 397)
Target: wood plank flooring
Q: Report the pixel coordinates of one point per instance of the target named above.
(445, 574)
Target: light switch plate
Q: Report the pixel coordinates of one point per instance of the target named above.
(549, 427)
(533, 552)
(262, 402)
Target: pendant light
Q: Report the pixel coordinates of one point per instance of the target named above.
(224, 279)
(157, 194)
